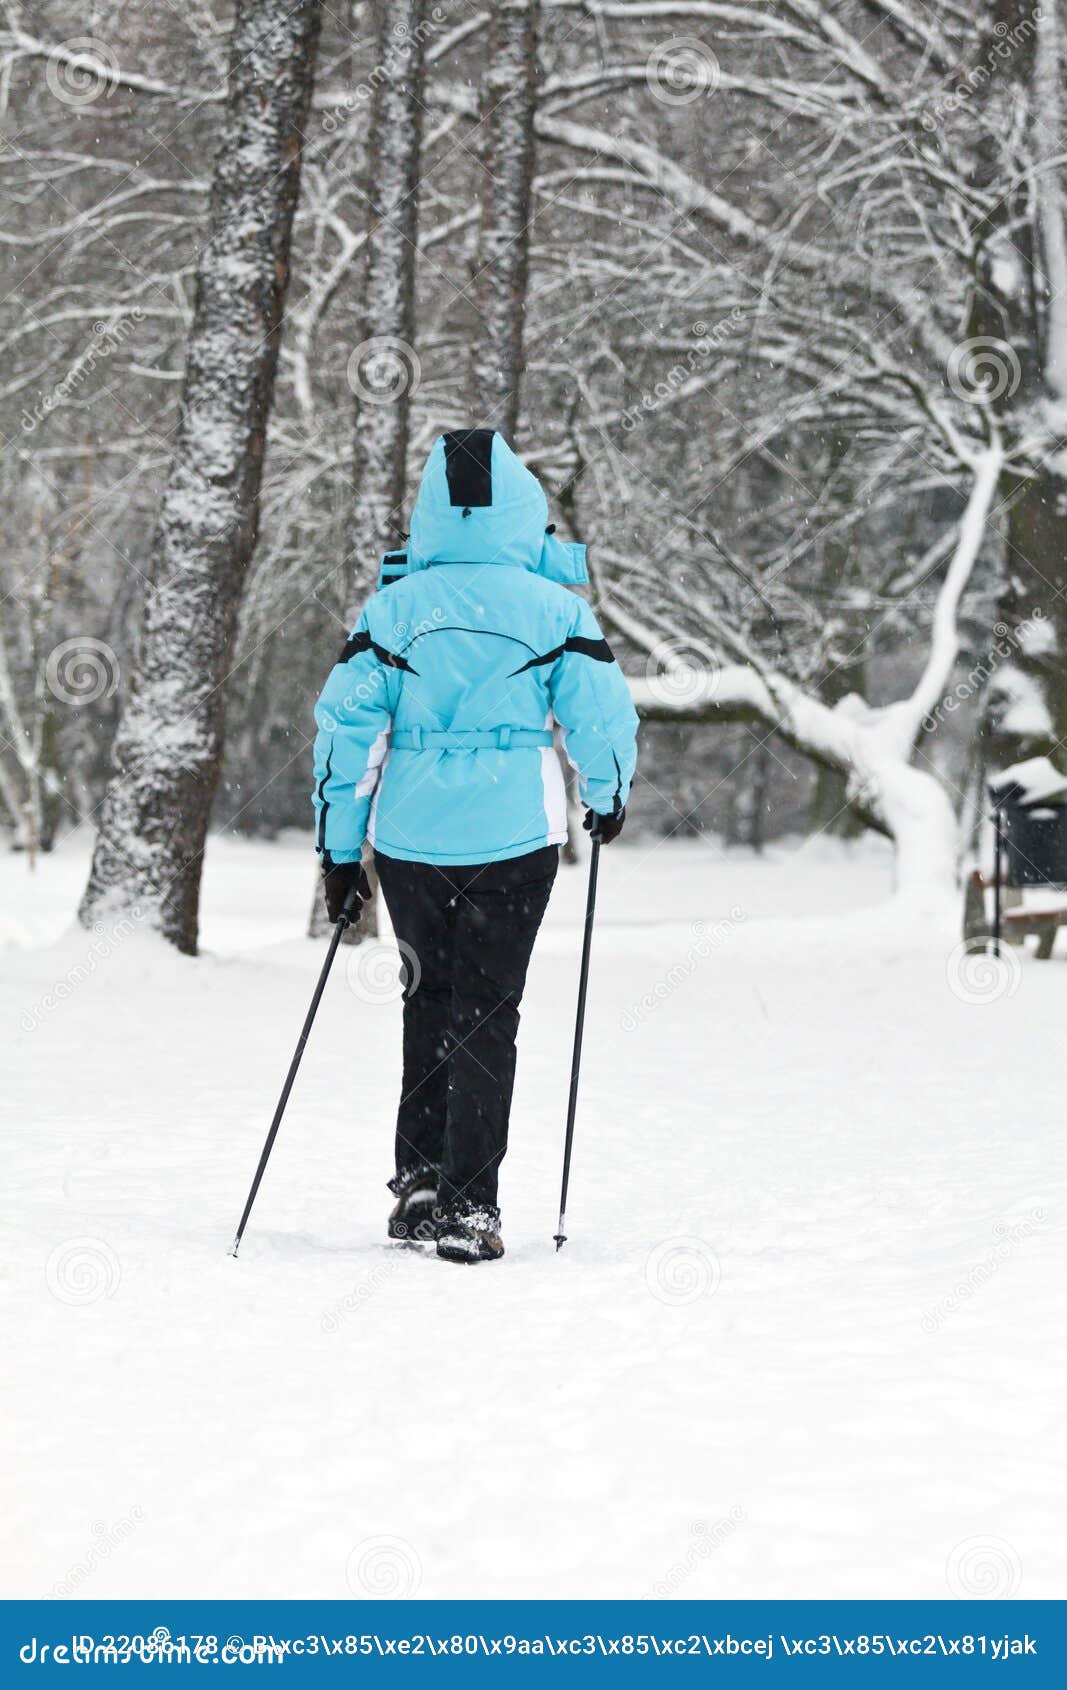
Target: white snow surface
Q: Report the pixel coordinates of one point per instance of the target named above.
(806, 1338)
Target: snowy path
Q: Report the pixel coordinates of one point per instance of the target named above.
(806, 1339)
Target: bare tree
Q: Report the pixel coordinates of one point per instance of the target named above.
(169, 746)
(874, 750)
(762, 391)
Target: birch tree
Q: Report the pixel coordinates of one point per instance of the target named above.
(169, 745)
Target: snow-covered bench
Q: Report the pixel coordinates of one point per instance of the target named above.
(1030, 834)
(1018, 920)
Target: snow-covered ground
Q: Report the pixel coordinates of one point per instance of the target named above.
(806, 1338)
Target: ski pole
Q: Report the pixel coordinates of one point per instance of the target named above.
(343, 921)
(579, 1028)
(998, 869)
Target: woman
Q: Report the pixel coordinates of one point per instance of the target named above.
(435, 745)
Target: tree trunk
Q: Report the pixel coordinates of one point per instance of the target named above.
(507, 122)
(384, 368)
(1026, 702)
(759, 784)
(168, 749)
(1021, 301)
(830, 811)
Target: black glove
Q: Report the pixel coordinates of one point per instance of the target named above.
(343, 881)
(604, 828)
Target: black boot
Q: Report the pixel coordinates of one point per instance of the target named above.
(414, 1219)
(470, 1232)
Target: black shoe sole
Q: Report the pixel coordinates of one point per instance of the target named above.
(467, 1258)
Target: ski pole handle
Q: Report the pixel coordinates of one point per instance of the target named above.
(353, 904)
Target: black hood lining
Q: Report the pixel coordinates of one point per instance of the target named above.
(468, 466)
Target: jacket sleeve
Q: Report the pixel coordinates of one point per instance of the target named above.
(592, 703)
(353, 717)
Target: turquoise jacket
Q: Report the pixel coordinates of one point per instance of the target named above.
(435, 726)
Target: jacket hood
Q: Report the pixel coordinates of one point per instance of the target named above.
(478, 504)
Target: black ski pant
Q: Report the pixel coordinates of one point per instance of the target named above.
(466, 936)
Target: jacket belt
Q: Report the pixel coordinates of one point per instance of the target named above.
(471, 739)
